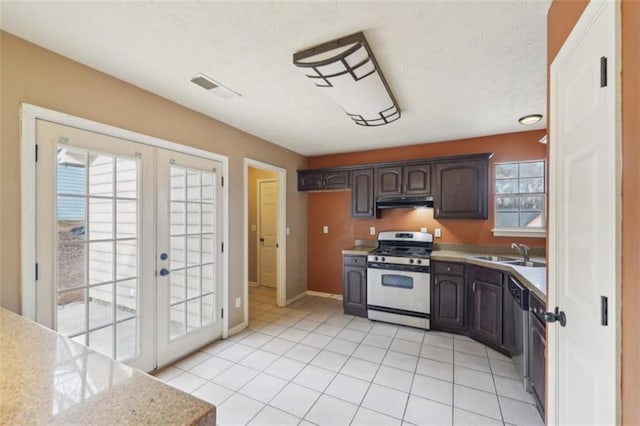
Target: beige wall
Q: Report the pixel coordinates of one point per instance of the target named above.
(37, 76)
(254, 175)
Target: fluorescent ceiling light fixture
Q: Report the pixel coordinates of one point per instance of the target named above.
(530, 119)
(347, 71)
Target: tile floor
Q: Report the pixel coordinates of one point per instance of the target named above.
(311, 364)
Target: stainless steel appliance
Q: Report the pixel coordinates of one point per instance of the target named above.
(520, 296)
(398, 278)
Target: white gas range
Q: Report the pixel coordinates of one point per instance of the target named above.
(398, 278)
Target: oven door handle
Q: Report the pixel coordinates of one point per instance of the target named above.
(394, 267)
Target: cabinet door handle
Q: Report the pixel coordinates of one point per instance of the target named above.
(435, 281)
(473, 287)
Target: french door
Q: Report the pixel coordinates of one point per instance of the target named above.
(189, 247)
(127, 245)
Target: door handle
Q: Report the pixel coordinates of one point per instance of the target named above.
(262, 240)
(164, 272)
(557, 315)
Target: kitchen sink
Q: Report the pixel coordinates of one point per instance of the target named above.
(530, 264)
(495, 258)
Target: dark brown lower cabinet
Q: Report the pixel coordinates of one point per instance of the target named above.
(486, 306)
(354, 290)
(448, 298)
(537, 354)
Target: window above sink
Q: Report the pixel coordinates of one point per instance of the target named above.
(519, 196)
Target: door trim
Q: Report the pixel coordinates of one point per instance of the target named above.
(259, 181)
(591, 13)
(281, 286)
(28, 138)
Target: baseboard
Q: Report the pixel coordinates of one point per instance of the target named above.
(238, 328)
(295, 298)
(253, 284)
(323, 294)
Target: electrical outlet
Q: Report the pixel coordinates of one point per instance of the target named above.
(423, 229)
(325, 229)
(372, 230)
(288, 231)
(254, 228)
(238, 302)
(438, 232)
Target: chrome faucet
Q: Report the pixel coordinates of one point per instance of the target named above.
(522, 249)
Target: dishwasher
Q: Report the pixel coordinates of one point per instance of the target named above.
(520, 296)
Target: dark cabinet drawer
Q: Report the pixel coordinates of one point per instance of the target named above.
(448, 268)
(355, 261)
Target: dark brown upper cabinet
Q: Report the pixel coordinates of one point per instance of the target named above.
(417, 179)
(411, 179)
(336, 179)
(362, 202)
(309, 180)
(461, 190)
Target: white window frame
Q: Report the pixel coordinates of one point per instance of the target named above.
(28, 115)
(538, 232)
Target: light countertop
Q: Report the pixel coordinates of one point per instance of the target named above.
(357, 250)
(535, 279)
(48, 379)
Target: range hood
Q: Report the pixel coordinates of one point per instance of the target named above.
(404, 202)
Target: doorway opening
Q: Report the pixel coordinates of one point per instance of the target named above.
(265, 226)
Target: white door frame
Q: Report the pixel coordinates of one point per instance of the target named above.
(259, 181)
(281, 287)
(588, 17)
(28, 138)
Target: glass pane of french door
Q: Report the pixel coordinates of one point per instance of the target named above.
(189, 250)
(97, 250)
(95, 285)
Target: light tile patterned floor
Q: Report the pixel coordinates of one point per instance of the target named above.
(311, 364)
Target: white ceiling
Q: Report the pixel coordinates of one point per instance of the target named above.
(457, 68)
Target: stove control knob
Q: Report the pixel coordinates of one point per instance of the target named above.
(383, 259)
(419, 262)
(410, 260)
(375, 258)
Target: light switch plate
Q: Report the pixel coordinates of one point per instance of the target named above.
(325, 229)
(288, 231)
(254, 228)
(238, 302)
(372, 230)
(438, 232)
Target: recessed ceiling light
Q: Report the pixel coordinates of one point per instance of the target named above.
(530, 119)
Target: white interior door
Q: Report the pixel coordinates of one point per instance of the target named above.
(94, 284)
(584, 227)
(268, 232)
(189, 253)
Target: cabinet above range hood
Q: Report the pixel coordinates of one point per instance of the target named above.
(404, 202)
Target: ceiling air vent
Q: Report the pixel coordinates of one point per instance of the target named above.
(213, 86)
